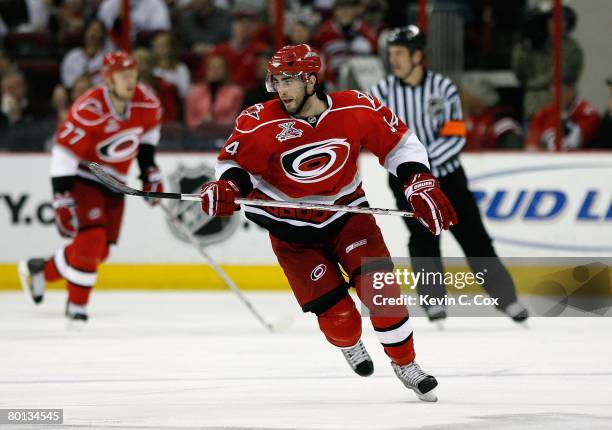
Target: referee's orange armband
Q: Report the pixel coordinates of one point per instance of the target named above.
(453, 128)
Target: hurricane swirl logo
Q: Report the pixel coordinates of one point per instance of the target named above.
(315, 162)
(121, 146)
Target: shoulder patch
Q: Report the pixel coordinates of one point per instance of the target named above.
(145, 98)
(90, 109)
(253, 111)
(369, 98)
(354, 98)
(259, 115)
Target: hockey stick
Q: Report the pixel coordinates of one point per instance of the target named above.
(118, 186)
(274, 328)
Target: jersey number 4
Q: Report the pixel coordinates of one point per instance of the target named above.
(70, 128)
(232, 148)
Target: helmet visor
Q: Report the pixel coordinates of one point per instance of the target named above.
(283, 81)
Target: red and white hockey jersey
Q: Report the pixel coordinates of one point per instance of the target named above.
(293, 159)
(93, 131)
(580, 126)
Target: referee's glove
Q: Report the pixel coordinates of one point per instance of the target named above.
(429, 204)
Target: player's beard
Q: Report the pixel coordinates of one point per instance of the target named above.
(300, 106)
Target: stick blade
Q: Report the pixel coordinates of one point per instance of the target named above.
(110, 181)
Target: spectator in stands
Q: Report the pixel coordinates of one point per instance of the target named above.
(167, 66)
(145, 15)
(241, 50)
(6, 64)
(532, 58)
(374, 15)
(343, 36)
(580, 123)
(167, 93)
(204, 26)
(23, 16)
(15, 106)
(299, 33)
(86, 59)
(489, 125)
(259, 94)
(604, 139)
(62, 99)
(71, 16)
(215, 99)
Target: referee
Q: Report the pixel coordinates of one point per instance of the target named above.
(429, 104)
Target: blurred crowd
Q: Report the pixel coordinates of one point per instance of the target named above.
(206, 60)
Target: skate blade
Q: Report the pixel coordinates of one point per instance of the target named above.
(440, 324)
(75, 326)
(25, 279)
(430, 396)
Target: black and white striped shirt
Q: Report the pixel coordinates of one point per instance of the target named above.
(432, 110)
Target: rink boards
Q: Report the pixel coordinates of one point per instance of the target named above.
(534, 205)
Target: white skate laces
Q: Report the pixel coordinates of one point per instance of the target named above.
(415, 379)
(358, 358)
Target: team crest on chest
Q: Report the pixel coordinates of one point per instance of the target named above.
(315, 162)
(288, 131)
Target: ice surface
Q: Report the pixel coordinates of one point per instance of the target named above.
(200, 360)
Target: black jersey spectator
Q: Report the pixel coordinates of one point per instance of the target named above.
(23, 16)
(204, 26)
(15, 106)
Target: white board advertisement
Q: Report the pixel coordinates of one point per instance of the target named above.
(534, 205)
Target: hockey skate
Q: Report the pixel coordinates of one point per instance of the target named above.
(359, 359)
(31, 276)
(420, 382)
(436, 315)
(76, 313)
(516, 311)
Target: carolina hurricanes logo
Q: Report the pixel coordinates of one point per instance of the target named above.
(315, 162)
(119, 147)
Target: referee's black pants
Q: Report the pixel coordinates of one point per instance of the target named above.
(469, 232)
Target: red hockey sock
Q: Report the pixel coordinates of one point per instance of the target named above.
(341, 324)
(395, 335)
(77, 294)
(391, 322)
(51, 273)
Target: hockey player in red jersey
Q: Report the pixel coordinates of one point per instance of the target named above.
(304, 147)
(111, 124)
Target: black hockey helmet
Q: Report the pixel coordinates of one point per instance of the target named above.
(411, 37)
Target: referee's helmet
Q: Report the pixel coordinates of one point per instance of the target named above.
(411, 37)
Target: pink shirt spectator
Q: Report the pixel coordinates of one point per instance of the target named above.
(200, 107)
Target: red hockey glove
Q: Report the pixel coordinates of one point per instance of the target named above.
(66, 218)
(218, 198)
(151, 182)
(431, 207)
